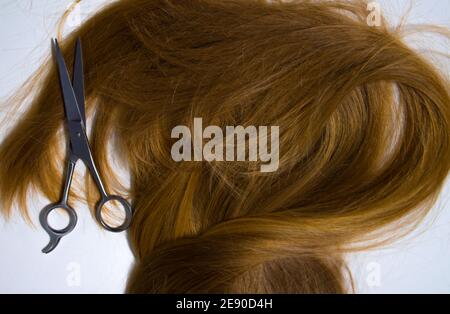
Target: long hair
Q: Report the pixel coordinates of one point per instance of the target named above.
(364, 125)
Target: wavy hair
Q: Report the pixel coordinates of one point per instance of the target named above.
(364, 138)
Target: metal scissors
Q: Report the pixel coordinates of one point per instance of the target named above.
(73, 96)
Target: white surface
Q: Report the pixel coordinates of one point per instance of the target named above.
(91, 260)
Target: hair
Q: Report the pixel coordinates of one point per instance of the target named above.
(364, 139)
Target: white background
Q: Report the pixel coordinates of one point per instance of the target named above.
(94, 261)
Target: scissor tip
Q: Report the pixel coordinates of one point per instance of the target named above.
(55, 43)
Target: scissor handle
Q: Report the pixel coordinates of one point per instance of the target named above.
(126, 207)
(56, 234)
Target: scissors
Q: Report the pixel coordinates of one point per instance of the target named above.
(73, 97)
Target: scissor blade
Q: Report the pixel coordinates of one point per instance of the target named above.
(78, 79)
(70, 101)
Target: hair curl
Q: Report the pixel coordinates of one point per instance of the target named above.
(364, 138)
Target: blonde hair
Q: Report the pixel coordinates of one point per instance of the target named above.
(364, 138)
